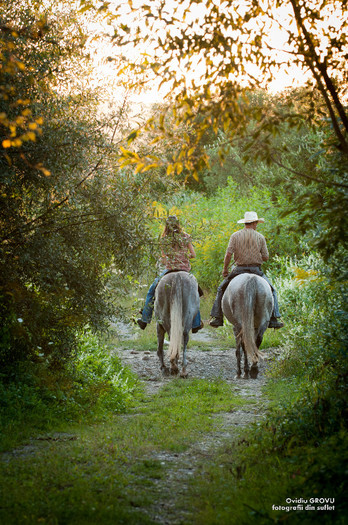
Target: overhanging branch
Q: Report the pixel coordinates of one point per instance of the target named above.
(309, 177)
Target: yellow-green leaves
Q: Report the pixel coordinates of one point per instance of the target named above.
(20, 129)
(17, 122)
(141, 163)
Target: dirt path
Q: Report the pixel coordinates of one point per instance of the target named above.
(170, 494)
(211, 363)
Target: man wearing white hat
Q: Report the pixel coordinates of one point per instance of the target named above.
(249, 250)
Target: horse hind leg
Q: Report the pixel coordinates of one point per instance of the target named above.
(238, 357)
(251, 372)
(160, 341)
(254, 370)
(241, 347)
(246, 364)
(238, 353)
(184, 372)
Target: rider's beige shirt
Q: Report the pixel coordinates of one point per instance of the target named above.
(248, 247)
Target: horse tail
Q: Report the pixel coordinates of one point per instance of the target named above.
(176, 321)
(247, 333)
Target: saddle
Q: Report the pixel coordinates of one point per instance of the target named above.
(238, 270)
(200, 291)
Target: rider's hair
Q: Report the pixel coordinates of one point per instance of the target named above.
(173, 232)
(172, 226)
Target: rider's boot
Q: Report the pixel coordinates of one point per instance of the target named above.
(216, 312)
(274, 323)
(142, 324)
(216, 322)
(195, 330)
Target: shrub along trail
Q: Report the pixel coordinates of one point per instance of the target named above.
(143, 466)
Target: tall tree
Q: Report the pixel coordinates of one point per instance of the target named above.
(68, 213)
(212, 56)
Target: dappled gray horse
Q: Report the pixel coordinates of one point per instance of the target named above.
(176, 304)
(248, 304)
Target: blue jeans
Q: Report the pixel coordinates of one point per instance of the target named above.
(147, 312)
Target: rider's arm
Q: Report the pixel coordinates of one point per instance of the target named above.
(264, 250)
(163, 257)
(192, 251)
(228, 257)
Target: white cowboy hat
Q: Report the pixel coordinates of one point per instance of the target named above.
(250, 216)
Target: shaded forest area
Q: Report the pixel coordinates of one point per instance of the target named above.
(86, 181)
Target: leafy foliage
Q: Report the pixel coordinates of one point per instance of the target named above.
(231, 47)
(67, 213)
(315, 349)
(93, 385)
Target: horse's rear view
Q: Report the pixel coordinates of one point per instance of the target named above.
(176, 304)
(248, 303)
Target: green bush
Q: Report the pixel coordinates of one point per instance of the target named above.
(310, 430)
(101, 383)
(315, 343)
(94, 384)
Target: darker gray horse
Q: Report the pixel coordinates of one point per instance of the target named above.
(176, 304)
(248, 304)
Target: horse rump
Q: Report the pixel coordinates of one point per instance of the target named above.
(248, 304)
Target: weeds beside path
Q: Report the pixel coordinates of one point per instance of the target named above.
(135, 468)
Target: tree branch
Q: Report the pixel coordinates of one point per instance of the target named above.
(314, 62)
(314, 179)
(52, 208)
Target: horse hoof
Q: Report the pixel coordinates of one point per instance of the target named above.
(254, 370)
(174, 371)
(246, 375)
(184, 374)
(165, 371)
(237, 376)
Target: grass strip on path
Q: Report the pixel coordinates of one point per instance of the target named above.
(105, 474)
